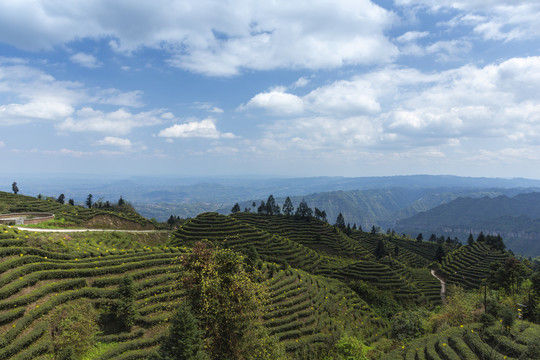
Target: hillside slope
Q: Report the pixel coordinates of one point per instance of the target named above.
(516, 219)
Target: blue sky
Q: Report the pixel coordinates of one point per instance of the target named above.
(280, 88)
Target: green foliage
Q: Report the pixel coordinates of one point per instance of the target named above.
(382, 302)
(508, 317)
(350, 348)
(439, 253)
(288, 208)
(487, 320)
(235, 208)
(184, 338)
(508, 274)
(340, 222)
(304, 210)
(380, 250)
(408, 325)
(73, 328)
(125, 310)
(226, 300)
(460, 309)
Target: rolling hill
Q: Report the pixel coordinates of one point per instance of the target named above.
(323, 285)
(516, 219)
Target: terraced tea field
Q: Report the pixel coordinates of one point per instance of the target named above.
(307, 266)
(72, 215)
(472, 342)
(40, 273)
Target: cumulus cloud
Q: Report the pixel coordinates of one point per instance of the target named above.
(346, 96)
(86, 60)
(120, 121)
(115, 141)
(195, 129)
(400, 107)
(28, 95)
(276, 101)
(505, 20)
(208, 37)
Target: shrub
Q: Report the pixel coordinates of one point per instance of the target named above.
(407, 325)
(487, 320)
(73, 327)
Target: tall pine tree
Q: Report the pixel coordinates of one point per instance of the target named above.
(185, 339)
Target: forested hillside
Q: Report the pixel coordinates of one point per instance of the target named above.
(516, 219)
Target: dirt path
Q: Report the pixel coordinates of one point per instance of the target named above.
(83, 230)
(443, 286)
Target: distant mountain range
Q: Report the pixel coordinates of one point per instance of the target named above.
(516, 219)
(381, 201)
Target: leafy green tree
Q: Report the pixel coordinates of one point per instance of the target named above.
(71, 202)
(15, 188)
(125, 311)
(350, 348)
(420, 237)
(508, 274)
(380, 250)
(235, 208)
(288, 208)
(184, 340)
(61, 199)
(407, 325)
(433, 238)
(340, 222)
(121, 202)
(227, 302)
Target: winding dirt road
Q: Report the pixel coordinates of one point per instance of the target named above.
(83, 230)
(443, 286)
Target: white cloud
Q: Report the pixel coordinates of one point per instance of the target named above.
(115, 141)
(406, 108)
(208, 37)
(118, 98)
(412, 36)
(2, 144)
(86, 60)
(120, 121)
(28, 95)
(301, 82)
(355, 96)
(210, 108)
(199, 129)
(505, 20)
(276, 101)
